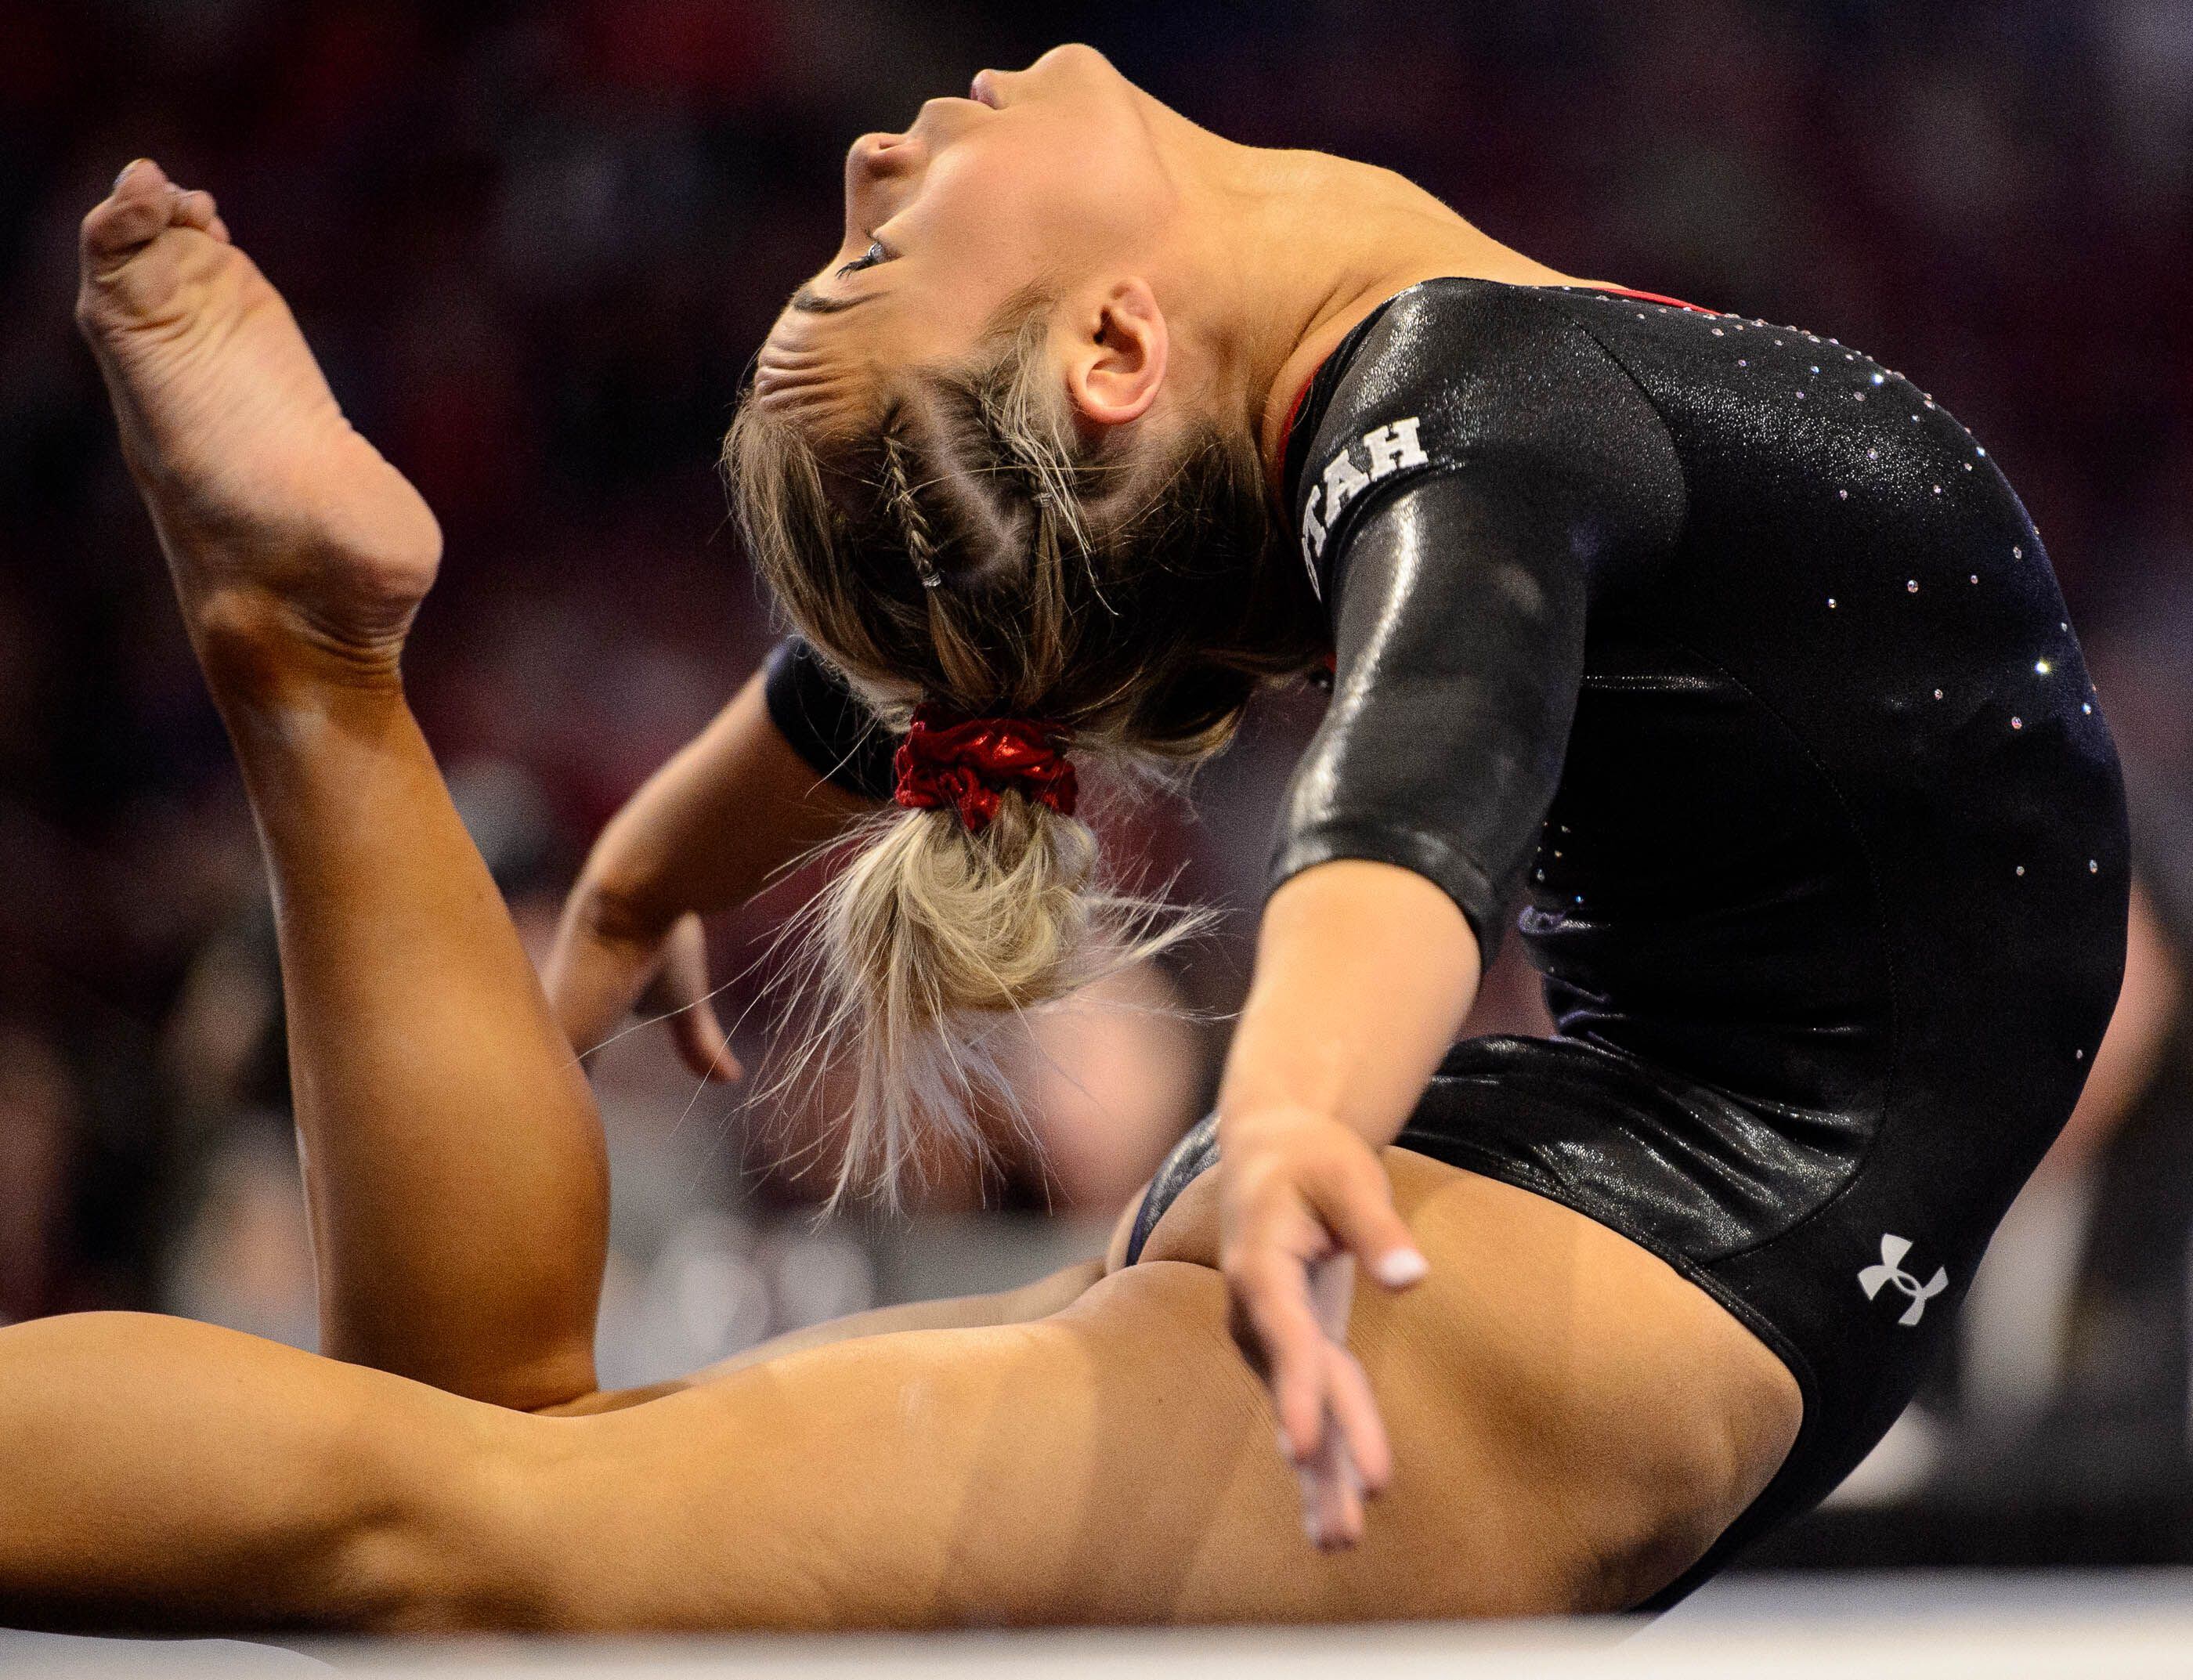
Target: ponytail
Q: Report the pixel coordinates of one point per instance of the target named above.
(965, 547)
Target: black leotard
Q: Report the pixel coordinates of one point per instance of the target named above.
(1740, 656)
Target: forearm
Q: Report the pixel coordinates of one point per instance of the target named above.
(711, 828)
(454, 1162)
(1364, 974)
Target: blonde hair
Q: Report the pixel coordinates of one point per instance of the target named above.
(969, 550)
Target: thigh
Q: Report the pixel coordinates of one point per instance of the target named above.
(1573, 1423)
(1645, 1414)
(159, 1473)
(1113, 1463)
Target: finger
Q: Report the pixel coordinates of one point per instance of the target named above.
(1275, 1299)
(681, 992)
(1357, 1206)
(701, 1041)
(1331, 1282)
(1356, 1420)
(1332, 1495)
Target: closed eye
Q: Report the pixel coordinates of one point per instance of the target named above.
(868, 259)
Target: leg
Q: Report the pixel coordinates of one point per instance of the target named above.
(164, 1474)
(454, 1161)
(1573, 1424)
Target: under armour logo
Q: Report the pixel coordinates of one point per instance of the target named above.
(1891, 1271)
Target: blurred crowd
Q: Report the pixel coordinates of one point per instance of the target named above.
(535, 246)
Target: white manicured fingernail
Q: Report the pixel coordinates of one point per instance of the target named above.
(1401, 1267)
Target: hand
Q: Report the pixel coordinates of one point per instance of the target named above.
(1301, 1198)
(603, 965)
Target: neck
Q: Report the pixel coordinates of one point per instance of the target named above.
(1291, 249)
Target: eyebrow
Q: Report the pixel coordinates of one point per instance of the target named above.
(809, 301)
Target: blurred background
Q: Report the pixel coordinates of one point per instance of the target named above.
(535, 246)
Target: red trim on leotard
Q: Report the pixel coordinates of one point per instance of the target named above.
(1651, 297)
(1294, 413)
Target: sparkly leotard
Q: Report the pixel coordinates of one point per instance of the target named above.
(1739, 656)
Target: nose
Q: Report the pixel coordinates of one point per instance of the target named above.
(883, 152)
(872, 163)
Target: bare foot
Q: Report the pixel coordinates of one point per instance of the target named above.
(283, 528)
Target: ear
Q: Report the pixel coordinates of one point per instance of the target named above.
(1116, 360)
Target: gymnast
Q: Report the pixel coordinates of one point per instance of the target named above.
(1728, 649)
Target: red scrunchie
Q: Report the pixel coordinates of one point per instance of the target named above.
(967, 763)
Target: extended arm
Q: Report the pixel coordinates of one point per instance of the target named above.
(705, 833)
(1464, 517)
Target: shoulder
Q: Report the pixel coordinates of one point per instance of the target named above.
(1457, 374)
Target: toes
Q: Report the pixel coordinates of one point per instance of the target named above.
(196, 209)
(142, 204)
(139, 173)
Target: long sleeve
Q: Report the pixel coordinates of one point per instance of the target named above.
(826, 722)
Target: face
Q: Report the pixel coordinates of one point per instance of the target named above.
(1050, 175)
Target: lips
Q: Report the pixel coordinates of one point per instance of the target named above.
(983, 91)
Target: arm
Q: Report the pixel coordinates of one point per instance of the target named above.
(707, 832)
(1459, 588)
(1364, 973)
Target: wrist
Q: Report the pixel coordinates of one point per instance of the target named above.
(1248, 1127)
(615, 908)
